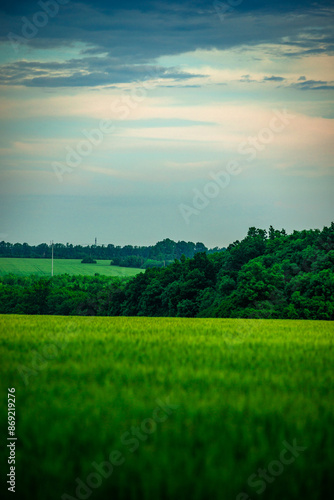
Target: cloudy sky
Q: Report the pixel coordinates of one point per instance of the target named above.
(137, 121)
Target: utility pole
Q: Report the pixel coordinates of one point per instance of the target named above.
(52, 258)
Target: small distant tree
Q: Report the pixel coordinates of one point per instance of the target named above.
(88, 260)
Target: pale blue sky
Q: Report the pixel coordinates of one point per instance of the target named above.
(186, 88)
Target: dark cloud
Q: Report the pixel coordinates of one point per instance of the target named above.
(313, 85)
(301, 84)
(300, 52)
(24, 7)
(87, 72)
(273, 79)
(132, 35)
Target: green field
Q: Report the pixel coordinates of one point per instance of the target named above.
(42, 267)
(240, 394)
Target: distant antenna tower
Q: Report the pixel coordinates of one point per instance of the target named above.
(95, 241)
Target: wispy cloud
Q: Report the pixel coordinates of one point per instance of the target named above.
(314, 85)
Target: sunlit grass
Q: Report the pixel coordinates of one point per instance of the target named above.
(42, 267)
(242, 386)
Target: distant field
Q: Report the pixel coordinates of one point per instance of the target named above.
(42, 267)
(184, 408)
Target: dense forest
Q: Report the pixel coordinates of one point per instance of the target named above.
(266, 275)
(158, 255)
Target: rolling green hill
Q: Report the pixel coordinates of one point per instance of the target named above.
(42, 267)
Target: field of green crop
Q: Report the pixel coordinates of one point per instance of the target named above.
(152, 408)
(42, 267)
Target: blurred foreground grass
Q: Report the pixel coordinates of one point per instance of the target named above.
(241, 387)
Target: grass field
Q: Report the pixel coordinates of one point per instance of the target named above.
(42, 267)
(235, 397)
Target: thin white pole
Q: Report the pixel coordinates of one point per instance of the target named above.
(52, 260)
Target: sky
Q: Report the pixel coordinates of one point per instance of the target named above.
(138, 121)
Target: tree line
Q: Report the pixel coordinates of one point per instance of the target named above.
(268, 274)
(158, 255)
